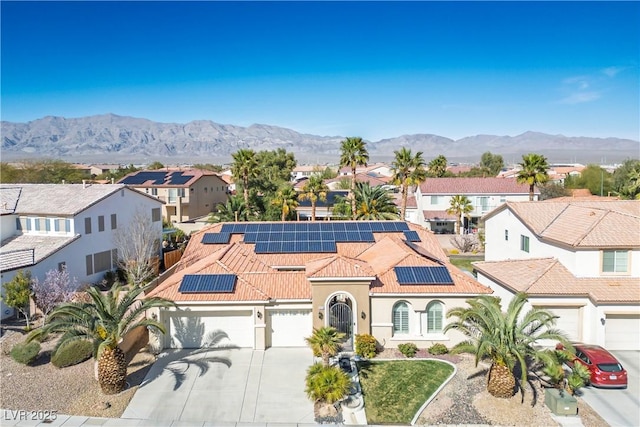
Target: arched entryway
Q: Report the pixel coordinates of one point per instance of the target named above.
(341, 309)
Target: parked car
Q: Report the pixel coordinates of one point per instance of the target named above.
(605, 369)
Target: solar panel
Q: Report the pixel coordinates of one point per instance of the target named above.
(227, 228)
(338, 226)
(353, 236)
(376, 226)
(213, 238)
(252, 228)
(329, 247)
(179, 178)
(289, 226)
(261, 248)
(277, 228)
(429, 275)
(340, 236)
(364, 226)
(250, 237)
(351, 226)
(388, 226)
(213, 283)
(314, 235)
(367, 236)
(288, 235)
(412, 236)
(315, 226)
(263, 236)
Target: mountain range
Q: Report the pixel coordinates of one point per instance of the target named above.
(110, 138)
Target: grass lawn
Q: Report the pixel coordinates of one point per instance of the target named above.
(394, 390)
(464, 263)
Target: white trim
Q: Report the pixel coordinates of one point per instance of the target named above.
(287, 301)
(341, 279)
(381, 325)
(451, 295)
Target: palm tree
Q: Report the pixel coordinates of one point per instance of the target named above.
(438, 166)
(104, 320)
(353, 153)
(327, 384)
(325, 342)
(374, 203)
(407, 170)
(533, 171)
(286, 199)
(459, 206)
(505, 338)
(244, 167)
(233, 210)
(315, 189)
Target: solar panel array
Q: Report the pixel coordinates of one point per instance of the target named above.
(213, 238)
(374, 226)
(178, 178)
(430, 275)
(207, 283)
(412, 236)
(156, 178)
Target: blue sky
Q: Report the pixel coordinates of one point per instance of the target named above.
(369, 69)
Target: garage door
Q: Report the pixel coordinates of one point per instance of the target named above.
(289, 328)
(195, 329)
(568, 321)
(622, 332)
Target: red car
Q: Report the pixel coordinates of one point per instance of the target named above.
(605, 369)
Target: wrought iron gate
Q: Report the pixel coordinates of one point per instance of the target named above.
(340, 318)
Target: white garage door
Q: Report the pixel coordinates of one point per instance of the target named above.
(196, 329)
(622, 332)
(289, 328)
(569, 321)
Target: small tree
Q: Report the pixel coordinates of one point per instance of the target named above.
(325, 342)
(56, 288)
(17, 294)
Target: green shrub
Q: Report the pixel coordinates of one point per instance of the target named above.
(365, 346)
(25, 353)
(72, 353)
(328, 384)
(438, 348)
(409, 349)
(454, 251)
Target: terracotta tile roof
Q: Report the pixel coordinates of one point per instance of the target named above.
(547, 276)
(259, 278)
(438, 215)
(587, 224)
(473, 186)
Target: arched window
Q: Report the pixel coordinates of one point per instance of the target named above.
(434, 317)
(401, 318)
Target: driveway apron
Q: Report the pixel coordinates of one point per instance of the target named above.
(226, 385)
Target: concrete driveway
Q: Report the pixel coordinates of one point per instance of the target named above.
(619, 407)
(226, 385)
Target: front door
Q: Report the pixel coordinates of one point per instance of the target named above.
(341, 318)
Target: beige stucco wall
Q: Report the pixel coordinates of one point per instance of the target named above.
(359, 293)
(382, 323)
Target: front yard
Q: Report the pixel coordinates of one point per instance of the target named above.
(395, 390)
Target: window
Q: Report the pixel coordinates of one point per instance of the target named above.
(435, 200)
(615, 261)
(506, 234)
(154, 191)
(62, 225)
(524, 243)
(18, 224)
(41, 224)
(434, 317)
(484, 203)
(101, 223)
(27, 224)
(503, 199)
(401, 318)
(155, 215)
(87, 226)
(89, 263)
(102, 261)
(114, 222)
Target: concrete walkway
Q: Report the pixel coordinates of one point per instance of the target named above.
(225, 386)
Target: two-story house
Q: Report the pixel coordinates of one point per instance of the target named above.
(187, 193)
(48, 226)
(578, 258)
(433, 198)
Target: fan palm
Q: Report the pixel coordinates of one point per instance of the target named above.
(353, 153)
(315, 189)
(505, 338)
(533, 171)
(327, 383)
(459, 206)
(244, 168)
(438, 166)
(286, 199)
(325, 342)
(374, 203)
(233, 210)
(407, 170)
(104, 321)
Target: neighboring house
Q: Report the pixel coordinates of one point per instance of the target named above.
(558, 173)
(579, 259)
(433, 198)
(48, 226)
(187, 194)
(371, 178)
(377, 169)
(269, 284)
(97, 170)
(323, 207)
(305, 171)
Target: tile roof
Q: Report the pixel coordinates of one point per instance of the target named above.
(473, 186)
(259, 278)
(9, 197)
(15, 252)
(581, 223)
(548, 277)
(442, 215)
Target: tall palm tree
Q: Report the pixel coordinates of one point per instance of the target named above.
(459, 206)
(315, 189)
(104, 321)
(244, 168)
(506, 338)
(286, 199)
(233, 210)
(407, 170)
(533, 171)
(325, 342)
(353, 153)
(374, 203)
(438, 166)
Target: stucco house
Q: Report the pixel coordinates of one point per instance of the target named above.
(47, 226)
(433, 198)
(269, 284)
(578, 258)
(187, 193)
